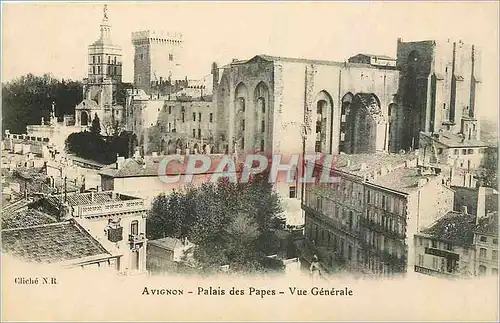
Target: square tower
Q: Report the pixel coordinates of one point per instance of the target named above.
(157, 57)
(438, 87)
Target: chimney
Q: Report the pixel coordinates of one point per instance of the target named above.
(481, 202)
(464, 209)
(92, 196)
(348, 162)
(119, 162)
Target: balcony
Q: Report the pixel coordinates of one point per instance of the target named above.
(431, 272)
(136, 240)
(379, 228)
(396, 262)
(331, 221)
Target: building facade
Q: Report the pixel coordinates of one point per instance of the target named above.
(273, 104)
(446, 247)
(278, 105)
(116, 221)
(365, 222)
(140, 177)
(486, 243)
(452, 150)
(173, 118)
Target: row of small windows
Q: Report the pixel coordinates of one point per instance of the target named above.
(483, 255)
(111, 59)
(183, 113)
(199, 133)
(465, 151)
(384, 202)
(111, 70)
(485, 239)
(170, 57)
(338, 244)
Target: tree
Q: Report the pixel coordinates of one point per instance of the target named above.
(27, 99)
(488, 171)
(95, 127)
(230, 223)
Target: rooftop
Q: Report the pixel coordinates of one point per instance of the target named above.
(454, 227)
(488, 224)
(51, 243)
(149, 166)
(25, 218)
(270, 58)
(452, 140)
(35, 180)
(405, 180)
(94, 198)
(169, 243)
(367, 164)
(377, 56)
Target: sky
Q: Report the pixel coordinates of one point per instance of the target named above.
(53, 37)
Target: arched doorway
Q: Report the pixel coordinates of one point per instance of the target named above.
(368, 129)
(323, 122)
(170, 148)
(345, 121)
(163, 148)
(84, 118)
(261, 116)
(241, 94)
(178, 145)
(196, 148)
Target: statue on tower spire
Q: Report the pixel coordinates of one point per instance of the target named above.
(105, 11)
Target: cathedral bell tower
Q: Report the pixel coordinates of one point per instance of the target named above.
(104, 77)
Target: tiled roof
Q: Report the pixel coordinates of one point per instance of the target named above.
(370, 162)
(377, 56)
(35, 181)
(454, 227)
(149, 166)
(488, 224)
(452, 140)
(405, 180)
(302, 60)
(86, 198)
(25, 218)
(168, 243)
(51, 243)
